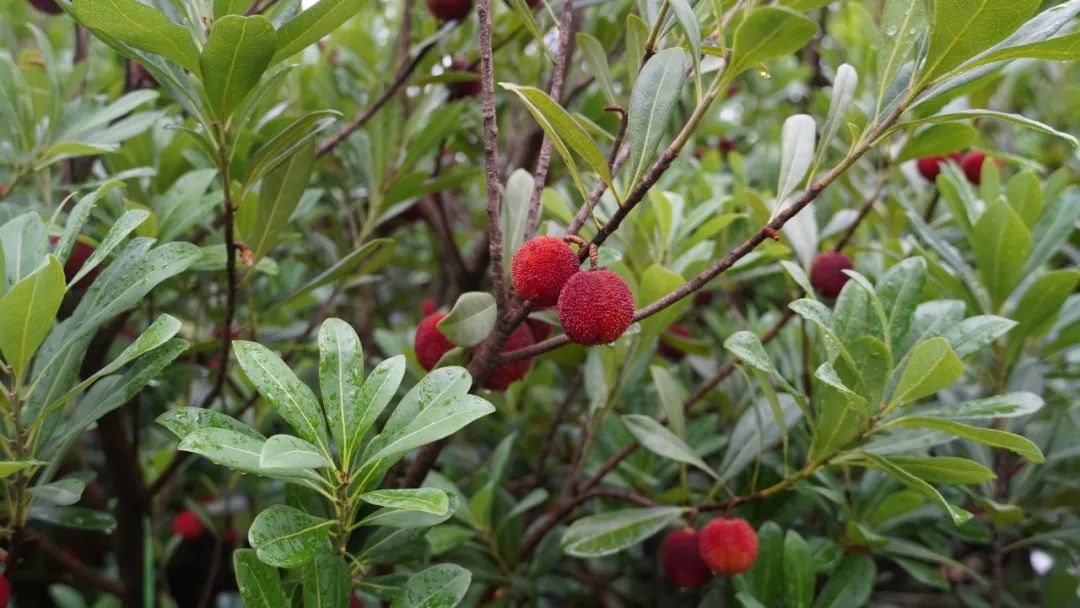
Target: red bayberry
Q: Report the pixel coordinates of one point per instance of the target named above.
(827, 273)
(726, 145)
(595, 307)
(188, 526)
(972, 164)
(680, 556)
(5, 591)
(505, 375)
(541, 267)
(667, 349)
(540, 329)
(427, 306)
(355, 602)
(47, 6)
(728, 546)
(930, 167)
(141, 78)
(446, 10)
(460, 89)
(430, 345)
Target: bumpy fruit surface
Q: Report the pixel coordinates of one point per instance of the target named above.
(670, 351)
(595, 307)
(680, 557)
(505, 375)
(827, 273)
(972, 164)
(728, 546)
(430, 345)
(541, 268)
(464, 88)
(446, 10)
(188, 526)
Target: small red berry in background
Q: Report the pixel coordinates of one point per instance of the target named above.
(448, 10)
(5, 591)
(505, 375)
(595, 307)
(430, 345)
(728, 546)
(49, 7)
(726, 145)
(355, 601)
(680, 557)
(972, 164)
(541, 267)
(462, 89)
(827, 273)
(428, 306)
(670, 351)
(930, 167)
(188, 526)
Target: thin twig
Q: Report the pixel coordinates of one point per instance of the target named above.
(78, 570)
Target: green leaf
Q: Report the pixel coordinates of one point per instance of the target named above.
(991, 437)
(286, 143)
(843, 94)
(285, 537)
(184, 421)
(379, 388)
(140, 26)
(237, 53)
(393, 517)
(312, 24)
(73, 517)
(796, 155)
(61, 492)
(842, 415)
(608, 533)
(369, 257)
(435, 421)
(658, 439)
(288, 452)
(566, 134)
(125, 225)
(1053, 228)
(259, 584)
(850, 584)
(972, 334)
(341, 373)
(470, 320)
(1062, 48)
(595, 57)
(961, 30)
(1016, 119)
(425, 500)
(755, 433)
(944, 469)
(263, 223)
(914, 483)
(899, 290)
(1009, 405)
(656, 93)
(766, 576)
(931, 367)
(671, 398)
(902, 23)
(938, 140)
(1025, 196)
(225, 447)
(798, 571)
(684, 14)
(747, 347)
(29, 310)
(1038, 308)
(290, 398)
(656, 282)
(1001, 243)
(326, 579)
(767, 33)
(442, 585)
(10, 467)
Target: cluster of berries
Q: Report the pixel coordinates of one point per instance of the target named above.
(430, 345)
(971, 163)
(724, 546)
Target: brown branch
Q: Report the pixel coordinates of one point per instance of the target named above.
(543, 162)
(72, 565)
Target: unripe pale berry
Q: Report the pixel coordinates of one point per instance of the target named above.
(188, 526)
(505, 375)
(680, 557)
(430, 345)
(728, 546)
(972, 164)
(595, 307)
(541, 267)
(447, 10)
(827, 273)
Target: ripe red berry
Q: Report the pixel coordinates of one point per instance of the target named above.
(461, 89)
(827, 273)
(595, 307)
(728, 546)
(47, 6)
(680, 556)
(5, 591)
(726, 145)
(540, 329)
(355, 601)
(972, 164)
(670, 351)
(428, 306)
(430, 345)
(505, 375)
(930, 167)
(446, 10)
(541, 267)
(188, 526)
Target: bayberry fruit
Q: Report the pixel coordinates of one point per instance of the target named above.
(188, 526)
(972, 164)
(728, 546)
(827, 273)
(5, 591)
(430, 345)
(680, 557)
(541, 267)
(447, 10)
(509, 373)
(595, 307)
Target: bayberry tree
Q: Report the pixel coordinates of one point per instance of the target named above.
(564, 303)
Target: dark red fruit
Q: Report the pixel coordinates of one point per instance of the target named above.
(541, 267)
(726, 145)
(219, 332)
(5, 591)
(827, 273)
(595, 307)
(430, 345)
(461, 89)
(446, 10)
(972, 164)
(728, 546)
(49, 7)
(930, 167)
(703, 298)
(427, 306)
(141, 77)
(188, 526)
(680, 557)
(505, 375)
(670, 351)
(540, 330)
(355, 602)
